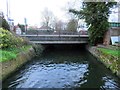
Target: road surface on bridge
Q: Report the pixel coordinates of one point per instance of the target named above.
(58, 35)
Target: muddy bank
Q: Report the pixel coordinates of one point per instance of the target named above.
(111, 62)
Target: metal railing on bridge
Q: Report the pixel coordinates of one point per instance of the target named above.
(51, 32)
(69, 37)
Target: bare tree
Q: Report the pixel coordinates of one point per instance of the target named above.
(47, 17)
(60, 25)
(53, 22)
(73, 4)
(57, 24)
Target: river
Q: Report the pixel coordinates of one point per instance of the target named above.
(63, 68)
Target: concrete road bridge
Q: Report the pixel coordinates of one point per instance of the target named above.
(58, 39)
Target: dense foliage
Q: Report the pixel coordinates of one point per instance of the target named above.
(72, 25)
(22, 27)
(96, 16)
(5, 24)
(8, 39)
(11, 45)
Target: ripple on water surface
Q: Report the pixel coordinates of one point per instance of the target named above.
(63, 69)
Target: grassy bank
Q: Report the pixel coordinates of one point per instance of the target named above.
(11, 53)
(14, 52)
(110, 51)
(110, 57)
(11, 44)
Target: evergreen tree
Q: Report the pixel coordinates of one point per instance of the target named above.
(5, 24)
(96, 16)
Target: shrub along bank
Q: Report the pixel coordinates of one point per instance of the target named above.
(11, 45)
(108, 56)
(14, 52)
(11, 40)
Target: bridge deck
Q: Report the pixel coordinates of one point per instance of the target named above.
(55, 35)
(57, 39)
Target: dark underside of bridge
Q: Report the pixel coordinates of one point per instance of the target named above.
(65, 46)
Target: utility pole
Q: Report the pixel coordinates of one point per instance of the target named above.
(9, 20)
(25, 21)
(7, 9)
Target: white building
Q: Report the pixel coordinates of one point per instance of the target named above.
(18, 31)
(11, 23)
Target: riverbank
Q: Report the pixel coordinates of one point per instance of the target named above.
(108, 56)
(9, 66)
(65, 67)
(14, 52)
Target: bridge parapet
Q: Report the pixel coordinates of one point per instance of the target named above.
(57, 38)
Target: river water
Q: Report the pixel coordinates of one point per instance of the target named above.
(63, 68)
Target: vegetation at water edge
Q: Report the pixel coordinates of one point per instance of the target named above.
(11, 45)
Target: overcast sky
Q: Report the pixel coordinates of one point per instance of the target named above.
(31, 9)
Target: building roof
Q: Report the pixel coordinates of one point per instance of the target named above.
(45, 28)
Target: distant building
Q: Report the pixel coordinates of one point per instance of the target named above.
(114, 24)
(11, 23)
(17, 30)
(32, 28)
(45, 28)
(42, 30)
(113, 34)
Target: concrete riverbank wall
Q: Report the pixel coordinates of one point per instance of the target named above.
(111, 62)
(9, 67)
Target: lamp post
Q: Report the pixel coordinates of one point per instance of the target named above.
(59, 33)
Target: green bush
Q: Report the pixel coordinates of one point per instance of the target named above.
(8, 39)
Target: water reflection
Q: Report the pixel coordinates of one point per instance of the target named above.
(63, 69)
